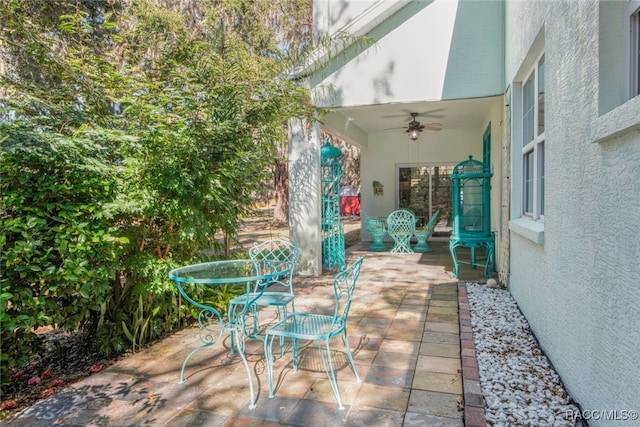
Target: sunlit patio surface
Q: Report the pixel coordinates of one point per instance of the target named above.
(404, 331)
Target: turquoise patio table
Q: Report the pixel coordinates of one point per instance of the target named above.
(251, 275)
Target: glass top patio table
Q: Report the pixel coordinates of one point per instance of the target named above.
(250, 274)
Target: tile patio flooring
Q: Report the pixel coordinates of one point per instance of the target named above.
(404, 330)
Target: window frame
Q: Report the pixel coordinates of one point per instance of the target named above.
(532, 186)
(633, 50)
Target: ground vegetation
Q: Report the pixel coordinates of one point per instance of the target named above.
(132, 133)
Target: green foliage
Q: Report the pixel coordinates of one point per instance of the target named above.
(59, 253)
(131, 134)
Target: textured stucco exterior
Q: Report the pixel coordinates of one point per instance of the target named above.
(578, 288)
(427, 50)
(575, 273)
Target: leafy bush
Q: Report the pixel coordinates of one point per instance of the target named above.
(132, 135)
(59, 255)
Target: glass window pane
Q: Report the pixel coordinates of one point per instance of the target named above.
(541, 96)
(635, 54)
(425, 190)
(441, 194)
(541, 184)
(527, 111)
(528, 183)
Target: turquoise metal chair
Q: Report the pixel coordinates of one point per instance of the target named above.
(278, 292)
(320, 328)
(377, 229)
(401, 225)
(426, 232)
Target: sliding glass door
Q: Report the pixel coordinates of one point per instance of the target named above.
(425, 189)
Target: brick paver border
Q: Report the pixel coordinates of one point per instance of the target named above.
(472, 393)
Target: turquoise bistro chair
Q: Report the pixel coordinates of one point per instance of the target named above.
(279, 292)
(319, 328)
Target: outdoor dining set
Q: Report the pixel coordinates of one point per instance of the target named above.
(265, 279)
(401, 226)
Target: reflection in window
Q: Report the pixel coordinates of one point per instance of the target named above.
(533, 92)
(424, 190)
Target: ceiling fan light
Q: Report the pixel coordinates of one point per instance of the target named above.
(413, 134)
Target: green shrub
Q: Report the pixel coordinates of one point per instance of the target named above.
(59, 254)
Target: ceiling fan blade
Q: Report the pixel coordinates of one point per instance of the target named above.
(430, 113)
(393, 116)
(433, 126)
(405, 113)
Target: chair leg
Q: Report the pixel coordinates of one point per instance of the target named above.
(327, 362)
(284, 311)
(294, 353)
(232, 309)
(347, 348)
(268, 354)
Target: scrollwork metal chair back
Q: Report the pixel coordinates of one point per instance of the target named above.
(278, 292)
(320, 328)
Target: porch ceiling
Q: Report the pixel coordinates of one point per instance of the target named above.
(454, 114)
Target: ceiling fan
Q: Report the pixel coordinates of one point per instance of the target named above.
(414, 128)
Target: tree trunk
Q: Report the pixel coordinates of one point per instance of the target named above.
(281, 193)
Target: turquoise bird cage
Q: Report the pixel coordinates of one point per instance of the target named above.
(333, 251)
(471, 215)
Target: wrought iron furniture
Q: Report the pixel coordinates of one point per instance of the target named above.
(401, 225)
(471, 219)
(279, 290)
(320, 328)
(377, 229)
(423, 234)
(333, 250)
(193, 280)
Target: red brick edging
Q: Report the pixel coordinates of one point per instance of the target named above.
(472, 394)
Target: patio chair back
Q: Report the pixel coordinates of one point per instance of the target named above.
(401, 227)
(278, 292)
(344, 284)
(278, 249)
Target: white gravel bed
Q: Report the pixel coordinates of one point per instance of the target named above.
(519, 385)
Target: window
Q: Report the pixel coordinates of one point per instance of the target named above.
(633, 12)
(425, 189)
(533, 142)
(618, 70)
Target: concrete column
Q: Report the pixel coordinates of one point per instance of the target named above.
(305, 216)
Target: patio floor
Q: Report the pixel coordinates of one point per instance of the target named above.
(404, 329)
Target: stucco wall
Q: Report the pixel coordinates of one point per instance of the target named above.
(305, 213)
(579, 288)
(427, 50)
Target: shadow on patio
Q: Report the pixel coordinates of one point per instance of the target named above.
(404, 331)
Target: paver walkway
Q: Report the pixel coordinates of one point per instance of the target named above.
(404, 331)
